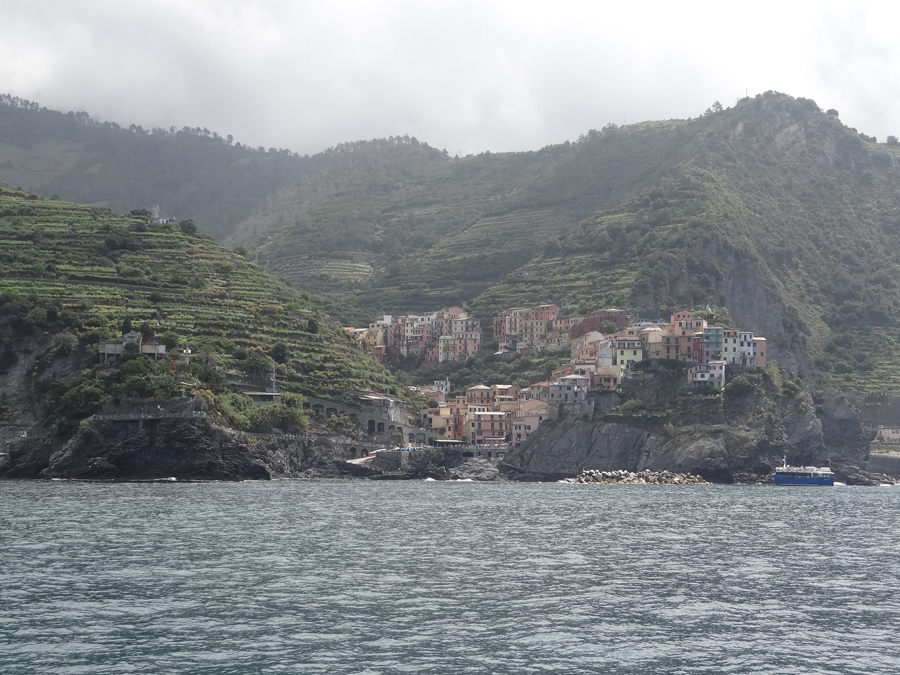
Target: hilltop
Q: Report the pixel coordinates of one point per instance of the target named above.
(190, 172)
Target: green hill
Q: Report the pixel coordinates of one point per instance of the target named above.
(772, 208)
(191, 173)
(72, 275)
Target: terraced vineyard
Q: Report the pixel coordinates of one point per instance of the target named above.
(304, 270)
(101, 268)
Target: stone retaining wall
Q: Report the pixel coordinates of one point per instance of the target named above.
(889, 464)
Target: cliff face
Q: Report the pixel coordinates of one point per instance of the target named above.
(193, 449)
(180, 447)
(657, 423)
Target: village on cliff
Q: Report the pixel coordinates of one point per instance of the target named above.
(605, 345)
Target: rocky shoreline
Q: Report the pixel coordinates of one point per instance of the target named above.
(645, 477)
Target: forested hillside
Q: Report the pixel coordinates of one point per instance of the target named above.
(191, 173)
(445, 234)
(772, 208)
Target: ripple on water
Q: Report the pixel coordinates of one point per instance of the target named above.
(371, 577)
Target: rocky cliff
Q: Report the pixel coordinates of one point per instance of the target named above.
(658, 422)
(190, 448)
(184, 448)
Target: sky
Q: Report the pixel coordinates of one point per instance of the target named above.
(462, 76)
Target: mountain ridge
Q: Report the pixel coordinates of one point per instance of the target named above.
(772, 208)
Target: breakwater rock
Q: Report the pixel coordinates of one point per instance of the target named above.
(645, 477)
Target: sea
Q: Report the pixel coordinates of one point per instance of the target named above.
(447, 577)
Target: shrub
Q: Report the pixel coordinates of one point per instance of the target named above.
(790, 388)
(188, 227)
(629, 407)
(739, 385)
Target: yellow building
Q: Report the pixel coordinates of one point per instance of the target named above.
(629, 348)
(440, 420)
(888, 434)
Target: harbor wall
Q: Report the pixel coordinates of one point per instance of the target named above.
(889, 464)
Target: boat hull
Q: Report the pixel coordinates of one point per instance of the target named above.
(803, 480)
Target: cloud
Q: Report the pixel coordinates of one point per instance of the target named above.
(467, 76)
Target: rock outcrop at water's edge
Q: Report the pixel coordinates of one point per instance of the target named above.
(657, 423)
(183, 448)
(191, 448)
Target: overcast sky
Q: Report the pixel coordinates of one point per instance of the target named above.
(465, 76)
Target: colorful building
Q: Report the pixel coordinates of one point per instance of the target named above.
(708, 373)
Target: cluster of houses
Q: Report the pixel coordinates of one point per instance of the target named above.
(607, 358)
(444, 336)
(496, 415)
(521, 329)
(504, 413)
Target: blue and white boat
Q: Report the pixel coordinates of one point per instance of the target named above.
(803, 475)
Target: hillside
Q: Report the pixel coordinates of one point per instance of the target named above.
(782, 215)
(191, 173)
(73, 275)
(772, 208)
(447, 234)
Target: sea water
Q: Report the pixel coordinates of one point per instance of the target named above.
(441, 577)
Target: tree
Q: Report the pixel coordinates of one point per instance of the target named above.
(188, 227)
(146, 331)
(608, 328)
(170, 339)
(258, 363)
(280, 352)
(892, 140)
(714, 108)
(312, 326)
(832, 112)
(207, 356)
(126, 326)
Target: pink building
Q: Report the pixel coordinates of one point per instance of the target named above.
(759, 350)
(684, 323)
(488, 428)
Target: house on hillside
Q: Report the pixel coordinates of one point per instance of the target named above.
(263, 396)
(112, 350)
(708, 373)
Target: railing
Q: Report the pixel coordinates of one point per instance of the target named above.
(454, 448)
(162, 414)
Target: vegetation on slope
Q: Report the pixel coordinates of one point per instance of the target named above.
(773, 194)
(772, 208)
(191, 173)
(447, 233)
(83, 274)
